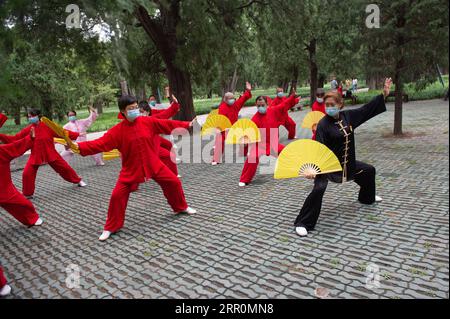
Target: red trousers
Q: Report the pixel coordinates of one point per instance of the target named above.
(21, 209)
(218, 147)
(3, 280)
(169, 183)
(168, 158)
(291, 127)
(251, 164)
(60, 166)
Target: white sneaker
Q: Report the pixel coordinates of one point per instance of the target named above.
(301, 231)
(38, 222)
(242, 184)
(178, 160)
(378, 199)
(82, 184)
(214, 163)
(179, 176)
(189, 211)
(101, 164)
(105, 235)
(6, 290)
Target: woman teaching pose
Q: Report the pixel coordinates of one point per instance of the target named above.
(336, 131)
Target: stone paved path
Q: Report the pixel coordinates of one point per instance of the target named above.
(242, 242)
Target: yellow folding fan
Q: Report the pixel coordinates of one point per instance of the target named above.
(62, 133)
(214, 112)
(304, 157)
(107, 156)
(215, 122)
(311, 119)
(244, 131)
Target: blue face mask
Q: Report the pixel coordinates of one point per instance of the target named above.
(332, 111)
(231, 102)
(133, 114)
(280, 94)
(33, 120)
(319, 100)
(72, 118)
(262, 109)
(152, 103)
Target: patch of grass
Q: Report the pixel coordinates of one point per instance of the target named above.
(417, 271)
(334, 262)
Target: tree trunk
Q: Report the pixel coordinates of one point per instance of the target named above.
(234, 79)
(181, 87)
(17, 118)
(399, 65)
(98, 105)
(163, 33)
(210, 94)
(321, 81)
(47, 107)
(294, 78)
(124, 87)
(313, 69)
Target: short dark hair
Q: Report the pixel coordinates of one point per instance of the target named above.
(145, 106)
(72, 111)
(262, 97)
(126, 100)
(34, 112)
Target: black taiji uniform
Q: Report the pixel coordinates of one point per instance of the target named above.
(338, 136)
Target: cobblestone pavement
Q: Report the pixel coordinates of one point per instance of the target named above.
(242, 242)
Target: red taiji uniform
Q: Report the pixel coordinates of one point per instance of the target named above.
(3, 119)
(284, 119)
(42, 152)
(3, 280)
(139, 147)
(11, 199)
(232, 113)
(165, 146)
(319, 107)
(268, 124)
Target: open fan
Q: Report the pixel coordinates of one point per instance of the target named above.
(62, 133)
(214, 112)
(311, 119)
(244, 131)
(107, 156)
(3, 119)
(215, 122)
(305, 157)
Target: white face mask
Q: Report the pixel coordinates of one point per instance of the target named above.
(320, 100)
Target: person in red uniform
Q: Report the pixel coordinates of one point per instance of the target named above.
(284, 118)
(229, 107)
(266, 119)
(11, 199)
(135, 138)
(319, 106)
(165, 150)
(42, 152)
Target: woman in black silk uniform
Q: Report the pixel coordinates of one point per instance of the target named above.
(336, 131)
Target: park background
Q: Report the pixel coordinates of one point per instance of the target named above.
(58, 56)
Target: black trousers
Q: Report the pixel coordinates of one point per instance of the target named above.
(364, 177)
